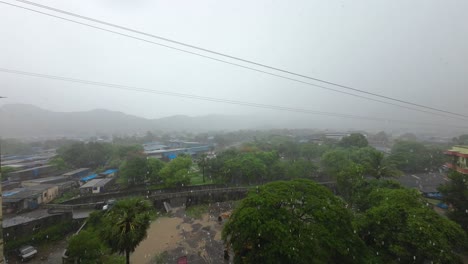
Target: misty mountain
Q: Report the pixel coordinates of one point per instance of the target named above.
(26, 121)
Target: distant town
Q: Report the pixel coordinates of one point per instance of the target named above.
(49, 188)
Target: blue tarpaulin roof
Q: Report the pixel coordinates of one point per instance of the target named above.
(110, 171)
(89, 177)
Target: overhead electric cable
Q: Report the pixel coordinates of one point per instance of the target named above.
(230, 57)
(218, 100)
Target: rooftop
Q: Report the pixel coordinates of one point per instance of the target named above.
(459, 149)
(19, 194)
(42, 180)
(110, 171)
(75, 171)
(96, 183)
(89, 177)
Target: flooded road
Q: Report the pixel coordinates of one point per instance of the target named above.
(163, 235)
(197, 239)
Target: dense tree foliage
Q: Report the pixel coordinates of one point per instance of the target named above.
(125, 226)
(253, 167)
(133, 171)
(354, 140)
(85, 247)
(461, 140)
(399, 226)
(177, 172)
(410, 156)
(456, 194)
(94, 155)
(293, 222)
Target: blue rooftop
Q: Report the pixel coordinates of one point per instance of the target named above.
(110, 171)
(89, 177)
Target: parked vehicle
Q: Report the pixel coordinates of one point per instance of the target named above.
(27, 252)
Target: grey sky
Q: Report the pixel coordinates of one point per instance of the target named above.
(413, 50)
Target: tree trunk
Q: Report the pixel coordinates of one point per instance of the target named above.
(127, 256)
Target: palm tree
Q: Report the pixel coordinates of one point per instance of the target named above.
(127, 225)
(379, 167)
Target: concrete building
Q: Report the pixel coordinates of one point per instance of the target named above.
(21, 199)
(96, 185)
(459, 157)
(32, 173)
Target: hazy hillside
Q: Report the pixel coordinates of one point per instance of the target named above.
(19, 120)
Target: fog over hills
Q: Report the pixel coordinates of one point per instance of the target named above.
(21, 120)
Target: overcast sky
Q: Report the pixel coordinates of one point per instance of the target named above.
(412, 50)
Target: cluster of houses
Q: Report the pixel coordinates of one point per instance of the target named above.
(172, 149)
(28, 188)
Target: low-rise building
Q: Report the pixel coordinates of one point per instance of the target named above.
(96, 185)
(459, 157)
(29, 198)
(47, 180)
(32, 173)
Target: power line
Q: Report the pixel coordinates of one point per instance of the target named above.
(234, 64)
(230, 57)
(217, 100)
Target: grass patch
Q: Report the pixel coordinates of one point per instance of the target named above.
(197, 179)
(196, 211)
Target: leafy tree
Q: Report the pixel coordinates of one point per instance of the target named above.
(408, 137)
(59, 163)
(311, 151)
(300, 168)
(292, 222)
(85, 247)
(410, 156)
(126, 225)
(354, 140)
(335, 161)
(133, 171)
(455, 193)
(177, 172)
(361, 199)
(86, 155)
(378, 166)
(154, 169)
(400, 227)
(5, 170)
(348, 179)
(461, 140)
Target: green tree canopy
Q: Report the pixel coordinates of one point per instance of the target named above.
(292, 222)
(354, 140)
(154, 169)
(335, 161)
(85, 248)
(126, 225)
(455, 193)
(177, 172)
(400, 227)
(410, 156)
(133, 171)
